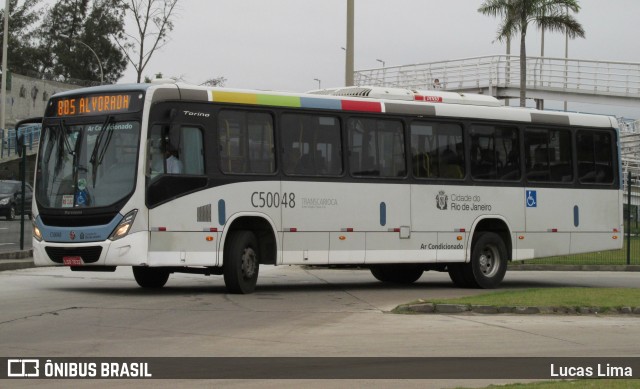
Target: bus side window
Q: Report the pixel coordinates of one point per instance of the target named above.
(311, 145)
(246, 142)
(595, 159)
(548, 155)
(437, 150)
(376, 148)
(494, 153)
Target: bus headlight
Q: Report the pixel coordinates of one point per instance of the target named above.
(5, 201)
(36, 233)
(125, 225)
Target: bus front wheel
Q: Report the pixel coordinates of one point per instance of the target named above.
(150, 277)
(488, 261)
(398, 274)
(241, 262)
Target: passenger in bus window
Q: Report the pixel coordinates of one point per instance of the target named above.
(174, 165)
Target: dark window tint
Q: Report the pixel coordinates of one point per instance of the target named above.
(595, 157)
(246, 142)
(376, 148)
(437, 150)
(548, 155)
(495, 153)
(311, 145)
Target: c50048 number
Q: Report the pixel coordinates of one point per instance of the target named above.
(273, 200)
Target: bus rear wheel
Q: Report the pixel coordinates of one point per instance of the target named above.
(241, 262)
(457, 273)
(488, 261)
(150, 277)
(397, 274)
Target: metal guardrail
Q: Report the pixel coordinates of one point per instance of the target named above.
(560, 74)
(9, 137)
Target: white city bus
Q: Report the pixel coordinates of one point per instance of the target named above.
(393, 180)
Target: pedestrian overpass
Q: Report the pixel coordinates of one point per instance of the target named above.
(560, 79)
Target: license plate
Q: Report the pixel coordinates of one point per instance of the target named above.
(72, 261)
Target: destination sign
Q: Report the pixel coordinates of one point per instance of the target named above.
(100, 104)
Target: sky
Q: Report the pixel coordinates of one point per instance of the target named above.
(287, 44)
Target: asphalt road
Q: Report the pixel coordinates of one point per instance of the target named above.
(10, 234)
(295, 312)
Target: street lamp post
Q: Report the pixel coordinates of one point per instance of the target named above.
(384, 71)
(94, 53)
(319, 82)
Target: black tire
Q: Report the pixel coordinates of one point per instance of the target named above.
(150, 277)
(457, 274)
(12, 213)
(241, 263)
(397, 274)
(488, 261)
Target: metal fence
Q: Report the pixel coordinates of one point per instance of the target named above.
(630, 252)
(559, 74)
(9, 146)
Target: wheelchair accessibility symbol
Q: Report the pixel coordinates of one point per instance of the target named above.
(532, 199)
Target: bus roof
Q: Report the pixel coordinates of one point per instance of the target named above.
(104, 89)
(362, 99)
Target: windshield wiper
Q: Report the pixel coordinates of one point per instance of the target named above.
(97, 155)
(65, 136)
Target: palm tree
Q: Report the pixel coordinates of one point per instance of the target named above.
(517, 15)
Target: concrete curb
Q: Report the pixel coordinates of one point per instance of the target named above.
(17, 254)
(575, 267)
(16, 264)
(427, 307)
(16, 260)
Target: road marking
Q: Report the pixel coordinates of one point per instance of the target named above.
(4, 244)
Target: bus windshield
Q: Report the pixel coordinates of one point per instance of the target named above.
(87, 165)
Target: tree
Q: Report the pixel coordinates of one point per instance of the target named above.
(216, 81)
(23, 22)
(154, 21)
(70, 27)
(517, 15)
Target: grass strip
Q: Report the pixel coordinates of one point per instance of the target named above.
(604, 298)
(574, 384)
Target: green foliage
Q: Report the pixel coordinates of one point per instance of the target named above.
(22, 48)
(518, 15)
(95, 24)
(574, 384)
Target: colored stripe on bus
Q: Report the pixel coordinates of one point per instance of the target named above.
(364, 106)
(294, 101)
(279, 101)
(234, 97)
(310, 102)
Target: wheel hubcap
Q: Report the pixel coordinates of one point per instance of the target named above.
(249, 262)
(488, 261)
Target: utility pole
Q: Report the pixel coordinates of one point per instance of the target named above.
(566, 57)
(5, 43)
(348, 75)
